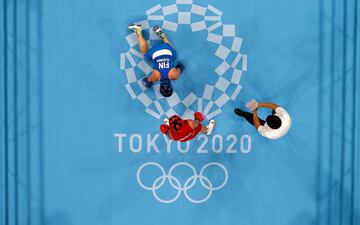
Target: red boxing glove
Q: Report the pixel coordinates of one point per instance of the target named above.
(164, 128)
(198, 116)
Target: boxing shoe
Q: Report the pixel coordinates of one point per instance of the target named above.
(210, 127)
(136, 28)
(147, 83)
(157, 30)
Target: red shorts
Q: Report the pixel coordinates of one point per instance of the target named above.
(186, 133)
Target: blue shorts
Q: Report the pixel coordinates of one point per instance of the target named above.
(163, 58)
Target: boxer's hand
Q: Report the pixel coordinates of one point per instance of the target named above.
(198, 116)
(252, 105)
(164, 128)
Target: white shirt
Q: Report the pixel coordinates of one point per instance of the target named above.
(270, 133)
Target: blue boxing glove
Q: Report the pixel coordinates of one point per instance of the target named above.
(147, 83)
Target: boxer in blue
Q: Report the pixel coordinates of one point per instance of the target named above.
(162, 57)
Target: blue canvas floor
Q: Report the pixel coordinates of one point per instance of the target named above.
(80, 134)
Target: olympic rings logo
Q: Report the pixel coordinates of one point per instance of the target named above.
(175, 183)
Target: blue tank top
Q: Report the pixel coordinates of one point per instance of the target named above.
(163, 58)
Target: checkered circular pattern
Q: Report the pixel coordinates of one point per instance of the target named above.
(228, 72)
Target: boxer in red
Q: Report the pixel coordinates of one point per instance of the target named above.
(178, 129)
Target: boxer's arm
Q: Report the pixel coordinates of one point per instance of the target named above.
(165, 129)
(198, 116)
(193, 123)
(170, 135)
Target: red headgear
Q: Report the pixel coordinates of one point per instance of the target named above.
(176, 123)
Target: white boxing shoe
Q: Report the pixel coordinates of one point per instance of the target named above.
(166, 121)
(210, 127)
(157, 30)
(135, 27)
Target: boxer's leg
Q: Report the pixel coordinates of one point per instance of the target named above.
(209, 128)
(204, 129)
(193, 123)
(161, 34)
(142, 42)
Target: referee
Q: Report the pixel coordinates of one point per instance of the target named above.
(275, 126)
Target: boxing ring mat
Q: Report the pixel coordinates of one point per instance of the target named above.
(80, 140)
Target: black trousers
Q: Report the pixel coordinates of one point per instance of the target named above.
(249, 117)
